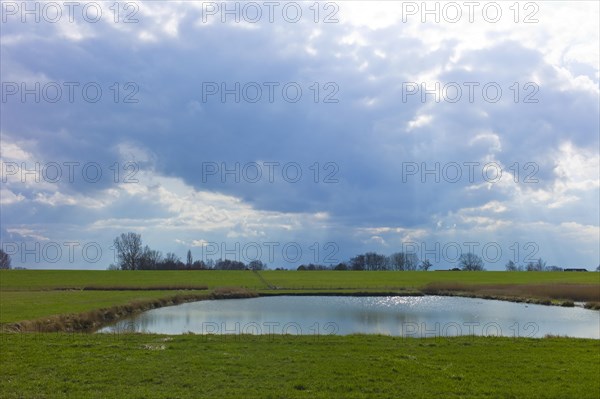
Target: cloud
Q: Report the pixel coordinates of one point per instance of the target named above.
(24, 232)
(352, 134)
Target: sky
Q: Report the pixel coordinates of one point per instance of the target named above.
(297, 132)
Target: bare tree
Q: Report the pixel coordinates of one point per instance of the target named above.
(398, 261)
(150, 259)
(129, 250)
(210, 263)
(172, 258)
(357, 263)
(4, 260)
(256, 265)
(511, 266)
(470, 262)
(376, 261)
(199, 265)
(541, 264)
(537, 266)
(425, 265)
(403, 261)
(171, 262)
(412, 261)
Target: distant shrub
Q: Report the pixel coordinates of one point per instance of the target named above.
(592, 305)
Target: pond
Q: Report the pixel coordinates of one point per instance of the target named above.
(426, 316)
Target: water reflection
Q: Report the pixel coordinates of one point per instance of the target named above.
(427, 316)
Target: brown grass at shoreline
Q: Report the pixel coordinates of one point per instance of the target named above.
(233, 293)
(538, 293)
(592, 305)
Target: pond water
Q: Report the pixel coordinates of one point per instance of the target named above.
(426, 316)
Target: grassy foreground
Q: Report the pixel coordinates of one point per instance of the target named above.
(360, 366)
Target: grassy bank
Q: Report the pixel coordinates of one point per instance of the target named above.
(153, 366)
(27, 305)
(96, 316)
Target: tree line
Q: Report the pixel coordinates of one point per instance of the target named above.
(533, 266)
(399, 261)
(131, 255)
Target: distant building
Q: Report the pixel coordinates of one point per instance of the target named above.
(576, 270)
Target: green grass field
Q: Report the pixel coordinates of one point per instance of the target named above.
(26, 305)
(192, 366)
(62, 365)
(28, 280)
(395, 280)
